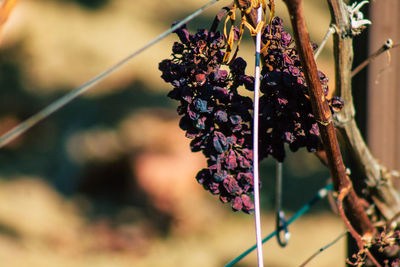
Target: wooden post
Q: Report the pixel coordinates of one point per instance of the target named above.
(384, 85)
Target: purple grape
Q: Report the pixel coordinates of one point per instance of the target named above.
(214, 115)
(285, 109)
(218, 119)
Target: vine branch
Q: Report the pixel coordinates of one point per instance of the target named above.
(356, 215)
(376, 176)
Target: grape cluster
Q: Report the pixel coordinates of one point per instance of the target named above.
(285, 108)
(214, 115)
(218, 119)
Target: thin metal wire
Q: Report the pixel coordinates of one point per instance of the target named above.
(331, 30)
(64, 100)
(323, 248)
(281, 223)
(320, 195)
(255, 144)
(278, 185)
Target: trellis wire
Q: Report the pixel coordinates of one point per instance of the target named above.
(257, 213)
(320, 195)
(64, 100)
(324, 248)
(281, 223)
(331, 30)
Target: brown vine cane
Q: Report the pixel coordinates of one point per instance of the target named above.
(357, 217)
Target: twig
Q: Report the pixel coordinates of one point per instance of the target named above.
(257, 212)
(323, 249)
(61, 102)
(385, 47)
(360, 242)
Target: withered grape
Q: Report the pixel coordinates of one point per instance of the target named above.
(218, 119)
(214, 115)
(285, 109)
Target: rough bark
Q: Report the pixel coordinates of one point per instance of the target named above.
(376, 177)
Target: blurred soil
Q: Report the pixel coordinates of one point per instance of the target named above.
(40, 228)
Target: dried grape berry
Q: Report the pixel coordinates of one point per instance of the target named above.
(214, 115)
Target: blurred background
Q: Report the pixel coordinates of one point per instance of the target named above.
(109, 180)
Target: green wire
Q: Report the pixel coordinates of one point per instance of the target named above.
(320, 195)
(69, 97)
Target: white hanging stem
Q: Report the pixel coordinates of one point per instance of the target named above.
(255, 145)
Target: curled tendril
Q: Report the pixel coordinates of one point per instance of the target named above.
(236, 33)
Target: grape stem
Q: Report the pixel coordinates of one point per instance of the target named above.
(251, 17)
